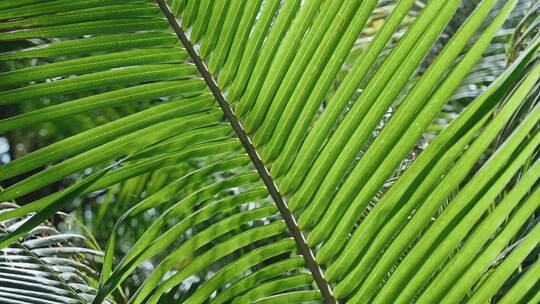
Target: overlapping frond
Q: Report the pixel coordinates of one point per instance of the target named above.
(46, 266)
(305, 139)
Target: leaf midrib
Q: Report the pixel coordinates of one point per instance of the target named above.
(299, 238)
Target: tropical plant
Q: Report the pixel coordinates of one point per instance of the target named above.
(278, 151)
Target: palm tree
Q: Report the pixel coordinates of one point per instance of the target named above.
(274, 151)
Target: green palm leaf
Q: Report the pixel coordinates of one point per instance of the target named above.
(274, 151)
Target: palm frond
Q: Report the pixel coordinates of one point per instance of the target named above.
(248, 165)
(46, 266)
